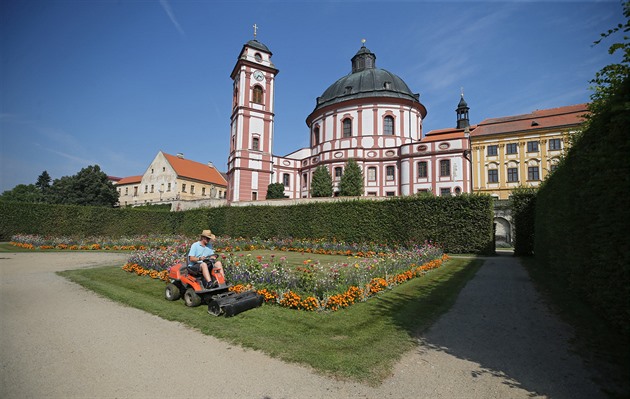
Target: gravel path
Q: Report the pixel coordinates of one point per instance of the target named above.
(58, 340)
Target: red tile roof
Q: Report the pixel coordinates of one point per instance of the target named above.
(129, 180)
(540, 119)
(195, 170)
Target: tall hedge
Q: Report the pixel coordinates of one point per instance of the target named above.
(523, 207)
(462, 224)
(583, 217)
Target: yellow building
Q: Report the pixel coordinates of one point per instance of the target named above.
(521, 150)
(172, 178)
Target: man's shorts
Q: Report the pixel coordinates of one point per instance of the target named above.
(196, 267)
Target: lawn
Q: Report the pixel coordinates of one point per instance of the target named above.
(360, 343)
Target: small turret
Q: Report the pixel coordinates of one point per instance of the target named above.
(462, 113)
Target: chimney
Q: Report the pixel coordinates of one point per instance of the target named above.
(180, 155)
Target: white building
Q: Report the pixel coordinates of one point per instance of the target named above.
(369, 115)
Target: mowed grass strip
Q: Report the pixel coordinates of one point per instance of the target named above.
(360, 343)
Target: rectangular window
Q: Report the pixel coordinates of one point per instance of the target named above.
(372, 174)
(445, 167)
(445, 192)
(192, 189)
(254, 195)
(555, 144)
(304, 180)
(135, 191)
(338, 173)
(532, 173)
(493, 175)
(422, 169)
(146, 188)
(203, 191)
(168, 187)
(390, 172)
(492, 150)
(390, 193)
(511, 148)
(347, 127)
(388, 126)
(126, 190)
(532, 146)
(512, 174)
(553, 167)
(256, 144)
(152, 188)
(183, 188)
(285, 179)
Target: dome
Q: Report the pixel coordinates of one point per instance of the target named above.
(365, 81)
(257, 45)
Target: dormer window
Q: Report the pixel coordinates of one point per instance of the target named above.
(387, 85)
(348, 90)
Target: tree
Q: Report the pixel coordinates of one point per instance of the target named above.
(43, 184)
(275, 190)
(321, 186)
(351, 184)
(88, 187)
(22, 193)
(611, 77)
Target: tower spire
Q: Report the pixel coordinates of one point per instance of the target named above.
(462, 112)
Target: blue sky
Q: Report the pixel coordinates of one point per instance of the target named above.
(111, 83)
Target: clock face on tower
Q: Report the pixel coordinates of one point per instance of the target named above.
(259, 76)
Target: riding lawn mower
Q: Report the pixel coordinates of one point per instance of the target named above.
(186, 284)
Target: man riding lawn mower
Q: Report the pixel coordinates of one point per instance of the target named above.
(202, 281)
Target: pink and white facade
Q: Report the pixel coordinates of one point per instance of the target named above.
(370, 116)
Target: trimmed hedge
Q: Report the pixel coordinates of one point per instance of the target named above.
(461, 224)
(523, 207)
(582, 214)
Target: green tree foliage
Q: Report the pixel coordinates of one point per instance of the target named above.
(321, 186)
(88, 187)
(351, 184)
(275, 190)
(23, 193)
(43, 181)
(610, 78)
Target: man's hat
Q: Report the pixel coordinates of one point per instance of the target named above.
(208, 233)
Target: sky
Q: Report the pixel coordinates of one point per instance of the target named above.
(112, 83)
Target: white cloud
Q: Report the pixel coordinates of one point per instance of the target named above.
(169, 11)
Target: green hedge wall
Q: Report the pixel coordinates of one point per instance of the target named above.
(583, 217)
(523, 207)
(462, 224)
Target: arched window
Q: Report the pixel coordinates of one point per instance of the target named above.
(316, 136)
(258, 95)
(388, 125)
(347, 127)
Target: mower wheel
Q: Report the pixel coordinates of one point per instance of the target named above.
(214, 308)
(191, 298)
(172, 292)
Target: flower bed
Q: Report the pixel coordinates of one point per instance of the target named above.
(370, 268)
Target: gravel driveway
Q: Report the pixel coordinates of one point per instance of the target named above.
(58, 340)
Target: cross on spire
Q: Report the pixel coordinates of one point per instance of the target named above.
(255, 30)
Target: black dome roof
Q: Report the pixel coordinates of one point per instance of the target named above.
(258, 45)
(365, 81)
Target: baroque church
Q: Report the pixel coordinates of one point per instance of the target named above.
(369, 115)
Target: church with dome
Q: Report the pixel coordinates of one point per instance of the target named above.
(370, 115)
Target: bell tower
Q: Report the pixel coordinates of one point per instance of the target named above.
(250, 165)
